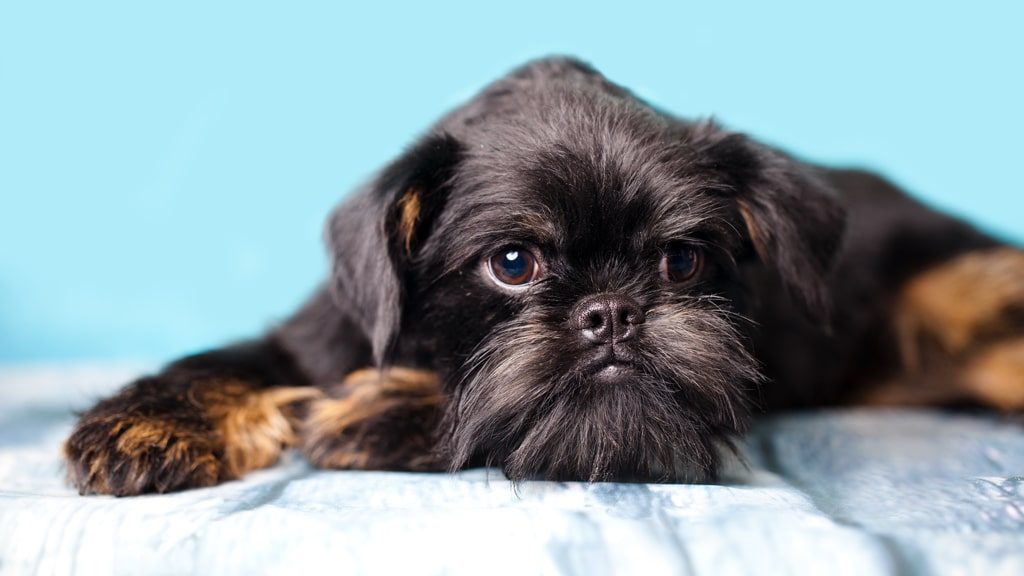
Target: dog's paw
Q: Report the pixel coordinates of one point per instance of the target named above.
(126, 455)
(382, 421)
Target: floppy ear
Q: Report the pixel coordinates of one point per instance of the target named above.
(794, 220)
(374, 236)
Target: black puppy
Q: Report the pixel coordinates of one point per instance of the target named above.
(564, 282)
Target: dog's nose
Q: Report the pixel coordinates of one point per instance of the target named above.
(607, 318)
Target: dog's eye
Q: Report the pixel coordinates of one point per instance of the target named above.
(680, 263)
(513, 266)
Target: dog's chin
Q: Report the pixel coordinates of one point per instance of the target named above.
(613, 423)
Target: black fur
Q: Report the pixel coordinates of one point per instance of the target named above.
(599, 184)
(556, 158)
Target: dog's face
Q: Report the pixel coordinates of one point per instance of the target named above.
(572, 263)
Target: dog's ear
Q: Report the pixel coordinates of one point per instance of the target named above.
(794, 220)
(374, 237)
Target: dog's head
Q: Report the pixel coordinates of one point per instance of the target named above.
(571, 261)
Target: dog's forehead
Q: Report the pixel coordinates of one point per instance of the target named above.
(585, 189)
(576, 169)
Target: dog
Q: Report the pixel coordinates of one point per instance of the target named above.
(565, 282)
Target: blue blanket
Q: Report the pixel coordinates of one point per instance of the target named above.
(840, 492)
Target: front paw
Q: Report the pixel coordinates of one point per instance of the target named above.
(383, 420)
(130, 454)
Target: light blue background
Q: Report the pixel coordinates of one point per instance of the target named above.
(164, 170)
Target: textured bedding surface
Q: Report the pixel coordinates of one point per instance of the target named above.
(842, 492)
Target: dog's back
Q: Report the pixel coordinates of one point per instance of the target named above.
(927, 309)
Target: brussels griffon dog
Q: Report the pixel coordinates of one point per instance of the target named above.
(562, 281)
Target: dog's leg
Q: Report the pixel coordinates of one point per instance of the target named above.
(203, 420)
(995, 375)
(376, 420)
(960, 327)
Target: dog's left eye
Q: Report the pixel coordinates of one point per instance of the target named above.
(680, 263)
(513, 266)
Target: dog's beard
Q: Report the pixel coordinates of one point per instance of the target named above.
(524, 404)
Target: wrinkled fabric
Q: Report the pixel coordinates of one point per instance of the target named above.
(839, 492)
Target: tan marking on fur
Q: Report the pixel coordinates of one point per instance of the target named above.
(757, 236)
(959, 302)
(996, 375)
(140, 435)
(366, 394)
(395, 380)
(916, 391)
(250, 428)
(410, 207)
(97, 473)
(959, 327)
(343, 460)
(255, 425)
(372, 392)
(135, 438)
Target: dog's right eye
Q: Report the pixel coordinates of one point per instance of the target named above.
(680, 263)
(514, 266)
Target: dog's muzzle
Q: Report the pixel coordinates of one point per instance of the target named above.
(606, 323)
